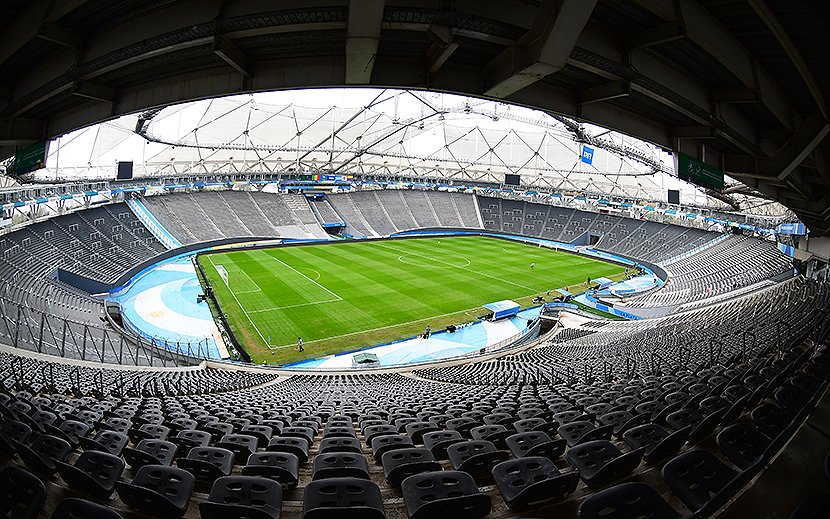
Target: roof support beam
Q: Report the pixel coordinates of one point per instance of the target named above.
(442, 47)
(231, 54)
(94, 91)
(657, 35)
(743, 95)
(694, 132)
(605, 92)
(18, 132)
(710, 35)
(61, 8)
(362, 37)
(763, 11)
(803, 142)
(543, 51)
(22, 29)
(57, 34)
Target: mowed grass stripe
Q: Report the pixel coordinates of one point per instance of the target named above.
(389, 289)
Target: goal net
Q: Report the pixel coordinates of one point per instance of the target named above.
(223, 274)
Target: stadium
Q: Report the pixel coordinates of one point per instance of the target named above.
(523, 258)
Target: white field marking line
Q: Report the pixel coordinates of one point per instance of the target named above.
(373, 329)
(251, 280)
(275, 308)
(242, 308)
(308, 278)
(401, 259)
(463, 268)
(370, 330)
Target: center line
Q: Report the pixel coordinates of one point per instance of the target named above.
(459, 267)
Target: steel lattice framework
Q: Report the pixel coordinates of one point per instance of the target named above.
(373, 133)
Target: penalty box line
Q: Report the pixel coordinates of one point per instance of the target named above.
(336, 297)
(275, 308)
(243, 309)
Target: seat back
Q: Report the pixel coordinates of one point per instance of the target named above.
(21, 493)
(448, 493)
(342, 497)
(626, 501)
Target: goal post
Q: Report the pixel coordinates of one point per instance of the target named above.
(223, 273)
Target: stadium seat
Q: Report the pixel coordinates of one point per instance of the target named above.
(340, 444)
(295, 446)
(532, 481)
(21, 493)
(150, 452)
(535, 443)
(187, 439)
(70, 430)
(399, 464)
(250, 497)
(73, 508)
(697, 475)
(262, 433)
(742, 444)
(599, 462)
(626, 501)
(416, 430)
(438, 442)
(578, 432)
(207, 464)
(148, 431)
(44, 452)
(384, 444)
(242, 446)
(334, 498)
(158, 491)
(444, 494)
(11, 433)
(476, 457)
(282, 467)
(108, 441)
(93, 474)
(373, 431)
(659, 444)
(340, 465)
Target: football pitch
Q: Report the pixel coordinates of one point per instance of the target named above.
(352, 294)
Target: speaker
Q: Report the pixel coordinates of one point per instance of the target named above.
(674, 196)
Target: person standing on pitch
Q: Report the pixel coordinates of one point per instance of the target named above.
(532, 265)
(300, 343)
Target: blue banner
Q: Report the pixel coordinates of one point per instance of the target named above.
(797, 229)
(587, 155)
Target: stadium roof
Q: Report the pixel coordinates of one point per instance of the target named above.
(373, 133)
(739, 84)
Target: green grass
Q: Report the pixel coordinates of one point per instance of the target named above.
(348, 295)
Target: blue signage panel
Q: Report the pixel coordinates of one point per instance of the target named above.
(797, 229)
(587, 154)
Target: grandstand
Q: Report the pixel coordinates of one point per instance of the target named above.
(744, 367)
(272, 261)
